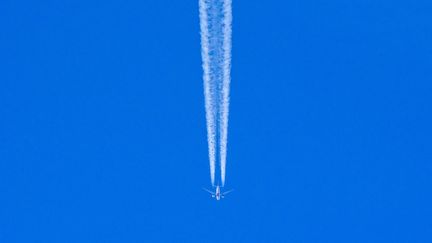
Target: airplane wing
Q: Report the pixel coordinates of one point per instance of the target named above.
(224, 193)
(207, 190)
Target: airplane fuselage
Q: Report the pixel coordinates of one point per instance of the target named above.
(218, 194)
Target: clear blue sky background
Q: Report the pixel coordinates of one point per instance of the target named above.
(102, 125)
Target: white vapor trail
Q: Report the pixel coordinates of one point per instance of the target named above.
(216, 29)
(227, 30)
(208, 93)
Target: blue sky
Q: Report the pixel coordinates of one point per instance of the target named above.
(102, 128)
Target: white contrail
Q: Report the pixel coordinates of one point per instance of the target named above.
(227, 30)
(215, 24)
(208, 93)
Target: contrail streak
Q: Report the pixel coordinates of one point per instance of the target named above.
(215, 24)
(208, 93)
(227, 30)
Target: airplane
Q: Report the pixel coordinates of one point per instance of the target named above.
(217, 193)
